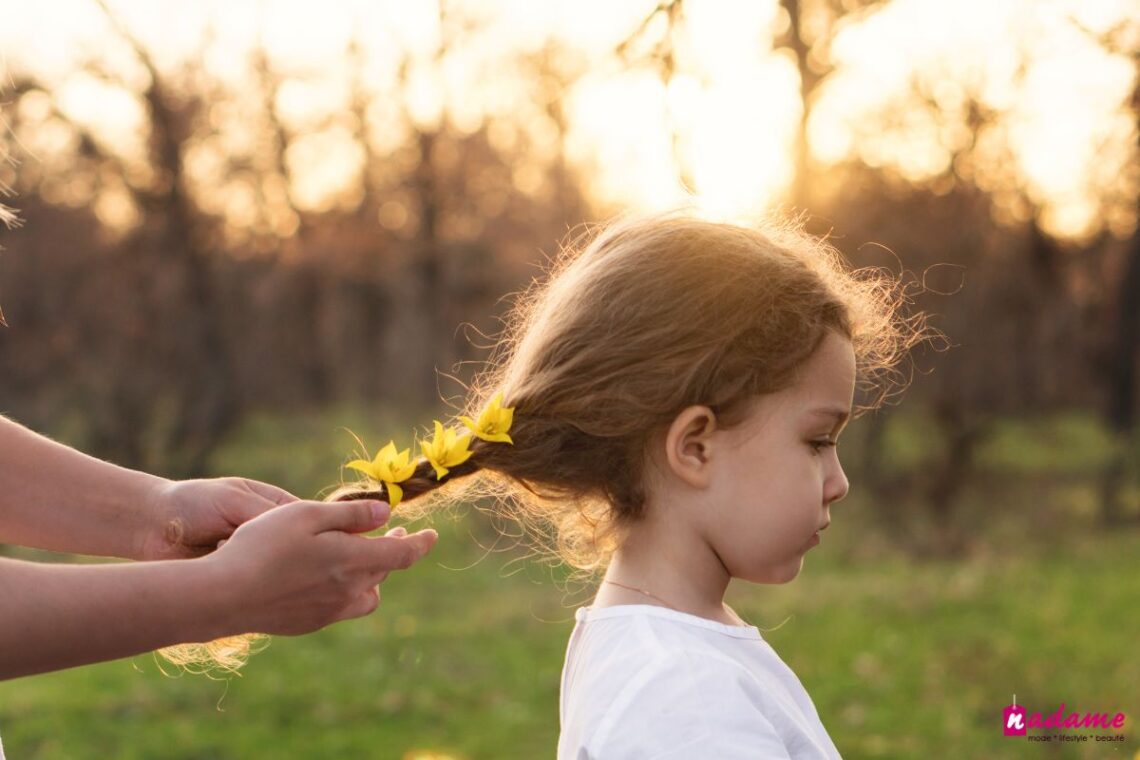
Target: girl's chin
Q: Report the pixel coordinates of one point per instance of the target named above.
(775, 576)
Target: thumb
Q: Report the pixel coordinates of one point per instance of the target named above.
(350, 516)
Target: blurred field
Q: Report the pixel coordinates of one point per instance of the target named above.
(903, 658)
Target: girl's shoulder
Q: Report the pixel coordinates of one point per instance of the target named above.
(643, 638)
(644, 647)
(661, 625)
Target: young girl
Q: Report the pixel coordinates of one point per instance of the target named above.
(667, 407)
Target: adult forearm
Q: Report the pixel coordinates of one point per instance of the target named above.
(54, 497)
(60, 616)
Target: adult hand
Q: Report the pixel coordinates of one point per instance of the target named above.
(193, 516)
(300, 567)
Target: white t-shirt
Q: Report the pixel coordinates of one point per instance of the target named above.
(650, 682)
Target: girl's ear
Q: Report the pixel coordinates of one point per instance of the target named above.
(688, 444)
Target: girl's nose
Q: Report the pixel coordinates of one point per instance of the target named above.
(837, 485)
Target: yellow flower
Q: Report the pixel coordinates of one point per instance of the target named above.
(494, 421)
(446, 449)
(388, 468)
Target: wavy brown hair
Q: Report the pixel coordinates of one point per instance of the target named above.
(635, 323)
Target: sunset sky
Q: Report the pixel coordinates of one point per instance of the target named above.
(732, 105)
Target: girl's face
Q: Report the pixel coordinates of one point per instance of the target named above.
(772, 479)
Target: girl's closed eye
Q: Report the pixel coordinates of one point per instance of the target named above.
(818, 445)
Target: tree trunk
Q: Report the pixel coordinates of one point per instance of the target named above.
(801, 182)
(948, 480)
(1121, 411)
(1124, 353)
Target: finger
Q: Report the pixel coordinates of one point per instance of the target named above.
(253, 498)
(278, 496)
(364, 604)
(348, 516)
(424, 540)
(388, 553)
(399, 531)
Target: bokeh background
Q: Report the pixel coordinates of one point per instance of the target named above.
(250, 227)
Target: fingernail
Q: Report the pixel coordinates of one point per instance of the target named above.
(400, 531)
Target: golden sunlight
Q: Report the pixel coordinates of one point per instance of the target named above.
(1036, 63)
(717, 131)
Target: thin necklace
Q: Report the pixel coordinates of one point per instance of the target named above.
(640, 591)
(654, 596)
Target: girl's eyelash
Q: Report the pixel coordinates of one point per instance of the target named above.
(817, 445)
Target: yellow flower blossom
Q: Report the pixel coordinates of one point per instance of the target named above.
(389, 468)
(494, 421)
(446, 449)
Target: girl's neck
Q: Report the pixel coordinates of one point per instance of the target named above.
(672, 569)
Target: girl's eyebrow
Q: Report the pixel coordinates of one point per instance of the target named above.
(840, 414)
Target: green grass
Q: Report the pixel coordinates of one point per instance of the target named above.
(903, 658)
(906, 660)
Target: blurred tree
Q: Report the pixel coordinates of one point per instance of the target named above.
(639, 48)
(1030, 323)
(204, 280)
(198, 385)
(175, 279)
(1120, 368)
(172, 408)
(810, 30)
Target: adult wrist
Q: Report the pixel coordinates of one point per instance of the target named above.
(153, 538)
(216, 598)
